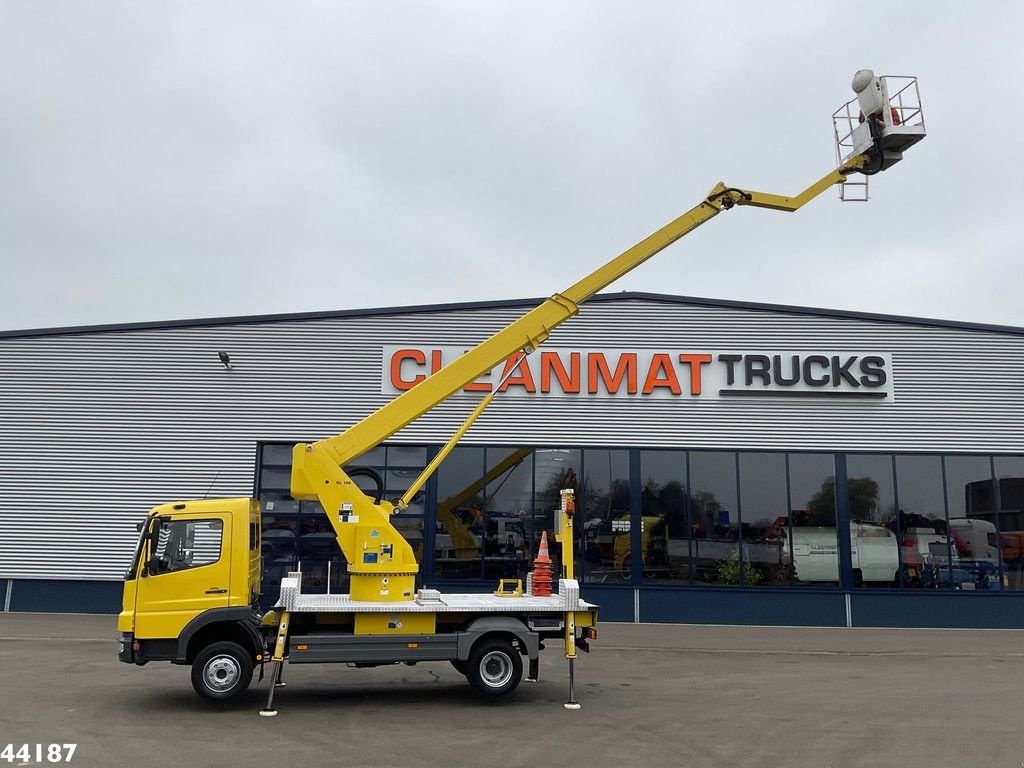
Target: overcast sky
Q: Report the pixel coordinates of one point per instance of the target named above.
(167, 160)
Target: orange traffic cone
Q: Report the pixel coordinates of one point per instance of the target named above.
(542, 569)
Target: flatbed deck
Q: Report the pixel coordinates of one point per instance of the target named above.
(433, 601)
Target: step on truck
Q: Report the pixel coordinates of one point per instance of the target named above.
(192, 593)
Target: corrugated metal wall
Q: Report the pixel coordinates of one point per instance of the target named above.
(95, 428)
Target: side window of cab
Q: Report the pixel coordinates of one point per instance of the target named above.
(184, 544)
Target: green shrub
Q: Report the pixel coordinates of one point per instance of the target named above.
(728, 572)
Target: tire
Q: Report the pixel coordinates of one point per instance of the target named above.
(222, 671)
(495, 668)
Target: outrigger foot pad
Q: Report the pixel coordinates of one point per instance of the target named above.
(273, 712)
(567, 705)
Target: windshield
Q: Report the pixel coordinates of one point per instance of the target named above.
(134, 567)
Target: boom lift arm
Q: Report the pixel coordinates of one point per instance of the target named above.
(381, 562)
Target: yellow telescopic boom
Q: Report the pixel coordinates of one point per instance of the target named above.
(527, 333)
(381, 563)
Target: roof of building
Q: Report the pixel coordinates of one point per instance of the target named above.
(526, 303)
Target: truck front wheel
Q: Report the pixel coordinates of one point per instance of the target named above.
(495, 668)
(222, 671)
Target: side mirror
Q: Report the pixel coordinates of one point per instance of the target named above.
(152, 565)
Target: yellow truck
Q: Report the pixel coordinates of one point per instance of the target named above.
(192, 592)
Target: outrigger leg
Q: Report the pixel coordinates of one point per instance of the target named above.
(571, 703)
(570, 654)
(278, 660)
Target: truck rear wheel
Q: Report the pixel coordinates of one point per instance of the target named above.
(222, 671)
(495, 668)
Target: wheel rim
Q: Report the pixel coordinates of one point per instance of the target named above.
(495, 669)
(221, 673)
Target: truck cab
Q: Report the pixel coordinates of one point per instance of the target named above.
(195, 576)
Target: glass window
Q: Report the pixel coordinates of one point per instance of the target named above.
(409, 523)
(970, 492)
(874, 538)
(993, 501)
(375, 457)
(277, 479)
(407, 456)
(459, 514)
(410, 526)
(185, 544)
(1010, 477)
(921, 518)
(1010, 489)
(714, 517)
(764, 508)
(970, 499)
(812, 501)
(871, 492)
(279, 537)
(318, 555)
(663, 504)
(317, 540)
(508, 513)
(554, 469)
(276, 453)
(397, 480)
(605, 505)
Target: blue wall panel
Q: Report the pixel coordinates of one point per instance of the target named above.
(66, 596)
(616, 602)
(794, 607)
(969, 610)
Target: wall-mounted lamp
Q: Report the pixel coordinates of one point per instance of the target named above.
(225, 359)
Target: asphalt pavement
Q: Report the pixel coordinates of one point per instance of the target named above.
(652, 695)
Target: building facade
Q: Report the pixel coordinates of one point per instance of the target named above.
(735, 463)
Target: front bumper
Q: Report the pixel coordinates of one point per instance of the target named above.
(126, 648)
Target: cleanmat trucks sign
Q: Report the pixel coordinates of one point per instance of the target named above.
(646, 373)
